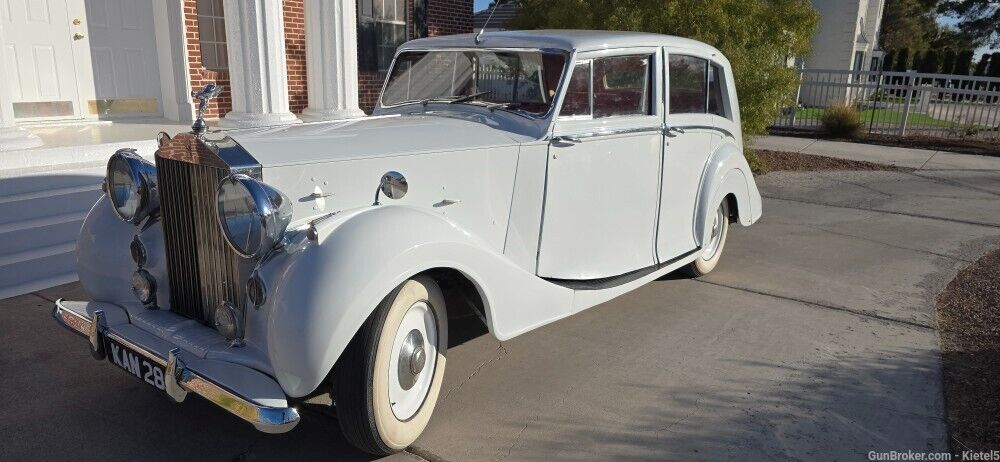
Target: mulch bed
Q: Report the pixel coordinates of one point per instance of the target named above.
(781, 161)
(969, 325)
(963, 146)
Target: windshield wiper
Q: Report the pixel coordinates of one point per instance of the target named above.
(467, 98)
(455, 99)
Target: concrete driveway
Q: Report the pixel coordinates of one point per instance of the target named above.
(815, 339)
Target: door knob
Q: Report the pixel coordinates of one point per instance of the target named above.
(76, 21)
(78, 36)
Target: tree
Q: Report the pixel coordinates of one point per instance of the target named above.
(903, 60)
(994, 65)
(948, 65)
(758, 37)
(977, 19)
(931, 62)
(888, 59)
(909, 24)
(963, 63)
(982, 66)
(918, 61)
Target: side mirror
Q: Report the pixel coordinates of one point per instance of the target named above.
(393, 185)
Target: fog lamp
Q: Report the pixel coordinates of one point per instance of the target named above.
(256, 291)
(144, 287)
(229, 323)
(138, 252)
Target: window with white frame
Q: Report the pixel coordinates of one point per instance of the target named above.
(212, 35)
(381, 30)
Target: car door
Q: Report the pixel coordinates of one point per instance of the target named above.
(602, 185)
(691, 130)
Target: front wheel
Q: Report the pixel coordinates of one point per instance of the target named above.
(387, 381)
(712, 251)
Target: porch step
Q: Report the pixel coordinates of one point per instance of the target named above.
(45, 194)
(20, 277)
(37, 234)
(29, 207)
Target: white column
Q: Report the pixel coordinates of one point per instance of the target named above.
(332, 60)
(255, 34)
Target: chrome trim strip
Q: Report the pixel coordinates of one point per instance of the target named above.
(265, 418)
(576, 138)
(703, 127)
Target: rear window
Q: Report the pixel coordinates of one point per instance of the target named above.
(697, 86)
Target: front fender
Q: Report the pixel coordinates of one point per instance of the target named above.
(104, 263)
(325, 290)
(727, 172)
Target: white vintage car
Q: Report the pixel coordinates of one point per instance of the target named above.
(526, 176)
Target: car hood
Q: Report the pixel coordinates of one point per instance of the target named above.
(368, 137)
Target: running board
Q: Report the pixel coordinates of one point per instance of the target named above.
(615, 281)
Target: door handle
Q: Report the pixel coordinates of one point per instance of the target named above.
(668, 131)
(78, 36)
(567, 139)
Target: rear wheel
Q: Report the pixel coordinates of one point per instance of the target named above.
(712, 251)
(387, 381)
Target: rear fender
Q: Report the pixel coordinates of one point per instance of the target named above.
(727, 172)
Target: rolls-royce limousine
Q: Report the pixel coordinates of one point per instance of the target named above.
(525, 176)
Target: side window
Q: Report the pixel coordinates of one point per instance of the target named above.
(622, 86)
(577, 101)
(688, 81)
(716, 82)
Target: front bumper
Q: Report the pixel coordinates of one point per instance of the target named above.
(237, 389)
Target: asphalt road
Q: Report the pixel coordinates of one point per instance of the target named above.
(815, 339)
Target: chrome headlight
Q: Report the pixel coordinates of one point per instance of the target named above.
(253, 215)
(131, 186)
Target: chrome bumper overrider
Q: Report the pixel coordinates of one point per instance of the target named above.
(179, 380)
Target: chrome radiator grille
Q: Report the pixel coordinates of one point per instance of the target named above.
(203, 270)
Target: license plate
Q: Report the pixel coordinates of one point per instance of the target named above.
(134, 363)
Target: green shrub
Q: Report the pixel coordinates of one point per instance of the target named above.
(758, 37)
(842, 121)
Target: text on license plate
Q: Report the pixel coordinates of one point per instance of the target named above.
(134, 363)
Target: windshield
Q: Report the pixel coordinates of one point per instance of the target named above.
(517, 80)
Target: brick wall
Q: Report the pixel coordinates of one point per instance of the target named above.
(200, 76)
(295, 54)
(444, 17)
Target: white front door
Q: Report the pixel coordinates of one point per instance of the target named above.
(602, 188)
(80, 58)
(123, 49)
(41, 58)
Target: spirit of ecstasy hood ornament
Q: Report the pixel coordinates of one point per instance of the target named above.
(204, 96)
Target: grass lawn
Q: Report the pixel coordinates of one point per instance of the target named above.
(882, 116)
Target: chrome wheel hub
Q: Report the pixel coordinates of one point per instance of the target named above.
(716, 238)
(413, 360)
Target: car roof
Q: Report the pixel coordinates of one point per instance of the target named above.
(569, 40)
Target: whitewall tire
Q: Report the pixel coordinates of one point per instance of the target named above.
(711, 252)
(387, 381)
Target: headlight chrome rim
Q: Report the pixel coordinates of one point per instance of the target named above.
(271, 213)
(142, 176)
